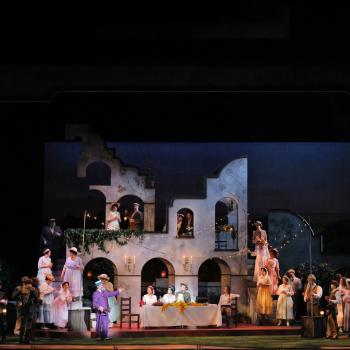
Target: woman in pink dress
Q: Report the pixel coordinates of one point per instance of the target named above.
(346, 301)
(60, 306)
(273, 268)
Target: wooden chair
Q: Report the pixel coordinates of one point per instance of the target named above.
(125, 312)
(235, 314)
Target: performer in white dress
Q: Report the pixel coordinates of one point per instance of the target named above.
(72, 273)
(113, 218)
(44, 266)
(261, 249)
(60, 306)
(46, 295)
(149, 298)
(170, 296)
(285, 302)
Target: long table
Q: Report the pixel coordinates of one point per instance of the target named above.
(207, 315)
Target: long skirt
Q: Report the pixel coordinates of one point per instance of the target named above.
(114, 309)
(346, 317)
(75, 279)
(284, 307)
(262, 254)
(60, 313)
(340, 315)
(101, 325)
(264, 301)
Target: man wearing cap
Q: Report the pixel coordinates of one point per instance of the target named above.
(261, 249)
(297, 287)
(26, 299)
(51, 237)
(183, 294)
(312, 295)
(136, 218)
(100, 304)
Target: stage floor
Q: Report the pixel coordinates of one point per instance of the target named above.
(134, 332)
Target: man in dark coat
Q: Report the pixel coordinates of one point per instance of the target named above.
(3, 312)
(27, 299)
(51, 237)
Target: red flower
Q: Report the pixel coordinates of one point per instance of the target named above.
(141, 302)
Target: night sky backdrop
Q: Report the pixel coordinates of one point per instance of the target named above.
(303, 177)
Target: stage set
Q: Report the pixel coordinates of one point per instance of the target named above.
(126, 280)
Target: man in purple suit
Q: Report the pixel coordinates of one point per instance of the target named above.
(100, 304)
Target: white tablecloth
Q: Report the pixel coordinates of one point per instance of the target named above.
(208, 315)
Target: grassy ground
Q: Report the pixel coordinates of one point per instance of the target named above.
(276, 341)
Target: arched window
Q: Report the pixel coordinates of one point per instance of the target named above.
(213, 275)
(226, 224)
(92, 269)
(131, 210)
(160, 274)
(185, 223)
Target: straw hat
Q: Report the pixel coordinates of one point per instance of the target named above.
(257, 223)
(73, 249)
(103, 276)
(184, 284)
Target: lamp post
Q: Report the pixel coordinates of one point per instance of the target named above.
(86, 214)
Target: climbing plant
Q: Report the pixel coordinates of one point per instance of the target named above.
(74, 237)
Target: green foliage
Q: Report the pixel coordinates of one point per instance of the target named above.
(74, 237)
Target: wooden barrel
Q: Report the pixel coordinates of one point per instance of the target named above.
(313, 326)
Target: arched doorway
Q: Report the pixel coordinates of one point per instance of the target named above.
(126, 209)
(94, 268)
(213, 275)
(226, 224)
(159, 273)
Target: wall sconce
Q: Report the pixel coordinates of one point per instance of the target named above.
(321, 313)
(187, 263)
(163, 274)
(89, 274)
(129, 263)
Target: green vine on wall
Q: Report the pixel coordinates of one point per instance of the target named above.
(74, 237)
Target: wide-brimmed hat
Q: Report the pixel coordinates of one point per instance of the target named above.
(291, 271)
(256, 223)
(49, 277)
(52, 219)
(181, 215)
(73, 249)
(184, 284)
(46, 251)
(103, 276)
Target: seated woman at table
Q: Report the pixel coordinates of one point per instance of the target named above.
(183, 294)
(225, 302)
(149, 298)
(170, 296)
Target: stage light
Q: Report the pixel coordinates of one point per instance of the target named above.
(89, 274)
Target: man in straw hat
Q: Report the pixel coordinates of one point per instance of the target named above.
(100, 304)
(136, 218)
(114, 310)
(312, 296)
